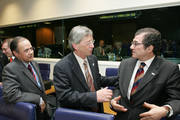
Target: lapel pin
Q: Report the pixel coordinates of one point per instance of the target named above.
(153, 74)
(93, 64)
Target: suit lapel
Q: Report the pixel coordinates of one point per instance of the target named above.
(39, 75)
(128, 75)
(27, 73)
(152, 72)
(76, 68)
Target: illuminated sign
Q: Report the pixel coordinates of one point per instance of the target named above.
(120, 15)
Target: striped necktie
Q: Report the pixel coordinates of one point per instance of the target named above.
(89, 79)
(138, 77)
(30, 69)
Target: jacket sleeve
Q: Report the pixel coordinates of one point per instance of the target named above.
(173, 89)
(104, 81)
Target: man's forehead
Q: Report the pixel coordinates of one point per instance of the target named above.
(25, 44)
(5, 44)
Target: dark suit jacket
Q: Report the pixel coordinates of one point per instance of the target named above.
(19, 84)
(3, 62)
(71, 87)
(160, 85)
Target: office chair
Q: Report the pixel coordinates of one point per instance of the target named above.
(18, 111)
(111, 71)
(71, 114)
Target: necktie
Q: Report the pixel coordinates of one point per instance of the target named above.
(138, 77)
(30, 69)
(89, 79)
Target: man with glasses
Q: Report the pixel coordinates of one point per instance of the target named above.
(149, 86)
(21, 78)
(76, 77)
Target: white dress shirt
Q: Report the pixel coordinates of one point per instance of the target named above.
(81, 61)
(148, 63)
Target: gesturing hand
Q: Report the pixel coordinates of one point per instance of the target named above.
(155, 112)
(116, 106)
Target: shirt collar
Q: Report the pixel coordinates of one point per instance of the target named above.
(79, 59)
(147, 62)
(26, 64)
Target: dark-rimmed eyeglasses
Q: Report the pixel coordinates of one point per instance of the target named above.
(135, 43)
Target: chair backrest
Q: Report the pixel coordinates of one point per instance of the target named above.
(45, 70)
(70, 114)
(18, 111)
(111, 71)
(0, 91)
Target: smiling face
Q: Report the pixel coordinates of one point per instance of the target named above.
(25, 51)
(85, 47)
(138, 49)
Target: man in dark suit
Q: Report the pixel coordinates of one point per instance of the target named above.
(22, 81)
(76, 77)
(152, 91)
(3, 62)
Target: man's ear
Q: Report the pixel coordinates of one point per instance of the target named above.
(150, 48)
(15, 53)
(75, 46)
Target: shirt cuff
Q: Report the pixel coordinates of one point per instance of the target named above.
(41, 101)
(170, 110)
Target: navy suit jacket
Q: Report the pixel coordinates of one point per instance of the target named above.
(160, 85)
(72, 90)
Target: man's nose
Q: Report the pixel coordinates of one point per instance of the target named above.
(132, 46)
(92, 45)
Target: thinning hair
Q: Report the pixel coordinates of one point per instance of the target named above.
(77, 33)
(14, 43)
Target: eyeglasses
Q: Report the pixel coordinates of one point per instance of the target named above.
(135, 43)
(29, 49)
(90, 42)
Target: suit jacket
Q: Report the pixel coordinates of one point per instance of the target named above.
(3, 62)
(72, 90)
(19, 84)
(160, 85)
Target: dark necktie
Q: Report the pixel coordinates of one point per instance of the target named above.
(138, 77)
(30, 69)
(89, 79)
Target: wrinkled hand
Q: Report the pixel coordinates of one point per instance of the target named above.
(116, 106)
(104, 95)
(155, 112)
(42, 106)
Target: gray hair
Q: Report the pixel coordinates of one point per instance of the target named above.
(77, 34)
